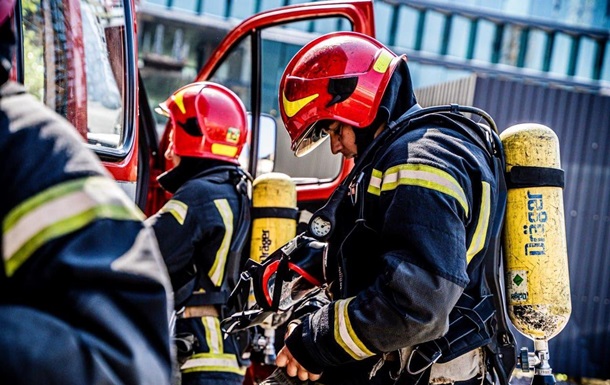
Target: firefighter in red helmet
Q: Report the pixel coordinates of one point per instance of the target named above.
(84, 295)
(410, 233)
(202, 228)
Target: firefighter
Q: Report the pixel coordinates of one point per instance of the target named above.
(84, 294)
(410, 234)
(202, 228)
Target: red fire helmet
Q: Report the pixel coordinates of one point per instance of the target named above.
(338, 76)
(209, 121)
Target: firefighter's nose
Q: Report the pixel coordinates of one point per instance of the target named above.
(335, 144)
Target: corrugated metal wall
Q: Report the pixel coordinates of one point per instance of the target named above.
(582, 123)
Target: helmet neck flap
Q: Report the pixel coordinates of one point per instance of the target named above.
(397, 99)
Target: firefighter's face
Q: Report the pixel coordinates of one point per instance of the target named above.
(342, 139)
(169, 153)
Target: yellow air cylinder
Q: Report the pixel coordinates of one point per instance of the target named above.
(536, 258)
(274, 213)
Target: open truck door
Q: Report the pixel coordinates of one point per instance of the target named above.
(80, 58)
(250, 61)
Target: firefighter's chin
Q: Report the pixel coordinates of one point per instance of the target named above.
(349, 154)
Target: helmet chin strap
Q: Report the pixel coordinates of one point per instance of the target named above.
(365, 136)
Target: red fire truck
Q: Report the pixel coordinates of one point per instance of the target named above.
(81, 58)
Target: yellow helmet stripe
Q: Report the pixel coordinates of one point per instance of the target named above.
(179, 100)
(345, 335)
(422, 175)
(383, 61)
(291, 108)
(480, 233)
(224, 150)
(58, 211)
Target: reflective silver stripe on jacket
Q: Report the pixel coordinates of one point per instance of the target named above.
(422, 175)
(58, 211)
(345, 335)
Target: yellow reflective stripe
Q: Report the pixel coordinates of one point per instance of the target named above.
(176, 208)
(58, 211)
(345, 335)
(419, 175)
(291, 108)
(480, 233)
(383, 62)
(213, 337)
(218, 268)
(375, 184)
(209, 362)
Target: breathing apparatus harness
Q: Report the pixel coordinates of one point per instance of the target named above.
(474, 323)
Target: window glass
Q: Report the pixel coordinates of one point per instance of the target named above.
(235, 72)
(279, 44)
(74, 58)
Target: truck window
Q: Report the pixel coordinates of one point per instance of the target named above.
(75, 62)
(278, 46)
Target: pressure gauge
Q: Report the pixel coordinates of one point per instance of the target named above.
(319, 227)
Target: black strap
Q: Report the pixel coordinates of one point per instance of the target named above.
(237, 258)
(275, 212)
(529, 176)
(208, 298)
(468, 328)
(502, 348)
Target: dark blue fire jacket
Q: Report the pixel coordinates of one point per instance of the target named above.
(406, 240)
(83, 289)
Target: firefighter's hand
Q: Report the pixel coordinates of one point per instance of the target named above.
(293, 368)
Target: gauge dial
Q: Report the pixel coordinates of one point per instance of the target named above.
(319, 227)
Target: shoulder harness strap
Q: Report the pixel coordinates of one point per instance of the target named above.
(473, 323)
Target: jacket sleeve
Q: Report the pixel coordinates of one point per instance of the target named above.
(89, 307)
(424, 209)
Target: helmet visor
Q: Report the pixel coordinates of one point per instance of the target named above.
(314, 136)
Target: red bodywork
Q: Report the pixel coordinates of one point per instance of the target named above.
(124, 166)
(359, 12)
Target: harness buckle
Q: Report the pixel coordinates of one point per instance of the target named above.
(419, 361)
